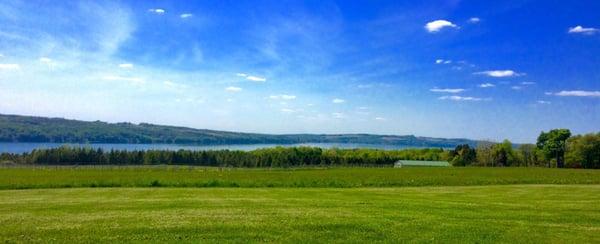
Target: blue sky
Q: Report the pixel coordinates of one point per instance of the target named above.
(474, 69)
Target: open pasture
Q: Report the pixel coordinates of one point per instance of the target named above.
(506, 214)
(171, 176)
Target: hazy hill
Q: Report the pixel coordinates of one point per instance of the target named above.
(15, 128)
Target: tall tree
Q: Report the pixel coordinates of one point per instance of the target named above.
(553, 145)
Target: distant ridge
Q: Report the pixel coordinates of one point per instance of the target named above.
(16, 128)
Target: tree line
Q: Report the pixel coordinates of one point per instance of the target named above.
(267, 157)
(556, 148)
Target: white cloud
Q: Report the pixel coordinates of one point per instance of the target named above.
(10, 66)
(158, 11)
(282, 97)
(437, 25)
(442, 61)
(45, 60)
(578, 93)
(380, 119)
(256, 78)
(516, 87)
(582, 30)
(460, 98)
(474, 20)
(185, 15)
(486, 85)
(338, 100)
(241, 74)
(126, 66)
(527, 83)
(287, 110)
(499, 73)
(233, 89)
(543, 102)
(548, 93)
(447, 90)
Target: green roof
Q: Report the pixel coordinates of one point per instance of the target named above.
(423, 163)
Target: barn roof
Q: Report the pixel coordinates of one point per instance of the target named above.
(422, 163)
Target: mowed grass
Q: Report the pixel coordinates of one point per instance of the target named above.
(471, 214)
(170, 176)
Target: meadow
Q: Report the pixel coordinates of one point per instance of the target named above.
(27, 177)
(202, 204)
(515, 213)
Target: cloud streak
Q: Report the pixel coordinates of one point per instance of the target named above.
(499, 73)
(233, 89)
(447, 90)
(461, 98)
(582, 30)
(338, 100)
(578, 93)
(282, 97)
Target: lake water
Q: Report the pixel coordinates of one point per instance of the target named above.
(28, 147)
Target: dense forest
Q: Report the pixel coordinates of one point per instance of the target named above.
(15, 128)
(555, 148)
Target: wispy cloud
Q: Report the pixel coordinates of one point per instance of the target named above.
(474, 20)
(185, 15)
(499, 73)
(126, 66)
(10, 66)
(542, 102)
(123, 78)
(380, 119)
(158, 11)
(282, 97)
(486, 85)
(578, 93)
(437, 25)
(233, 89)
(516, 87)
(527, 83)
(442, 61)
(45, 60)
(582, 30)
(447, 90)
(338, 100)
(256, 78)
(251, 77)
(287, 110)
(460, 98)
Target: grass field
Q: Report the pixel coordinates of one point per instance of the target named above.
(164, 204)
(517, 214)
(63, 177)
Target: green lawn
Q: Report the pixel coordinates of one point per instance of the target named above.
(62, 177)
(508, 214)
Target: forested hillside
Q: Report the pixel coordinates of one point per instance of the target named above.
(15, 128)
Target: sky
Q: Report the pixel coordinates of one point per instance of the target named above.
(488, 70)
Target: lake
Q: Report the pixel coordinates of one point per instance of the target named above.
(9, 147)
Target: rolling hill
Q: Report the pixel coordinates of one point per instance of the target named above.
(16, 128)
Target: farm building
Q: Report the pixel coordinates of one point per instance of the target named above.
(414, 163)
